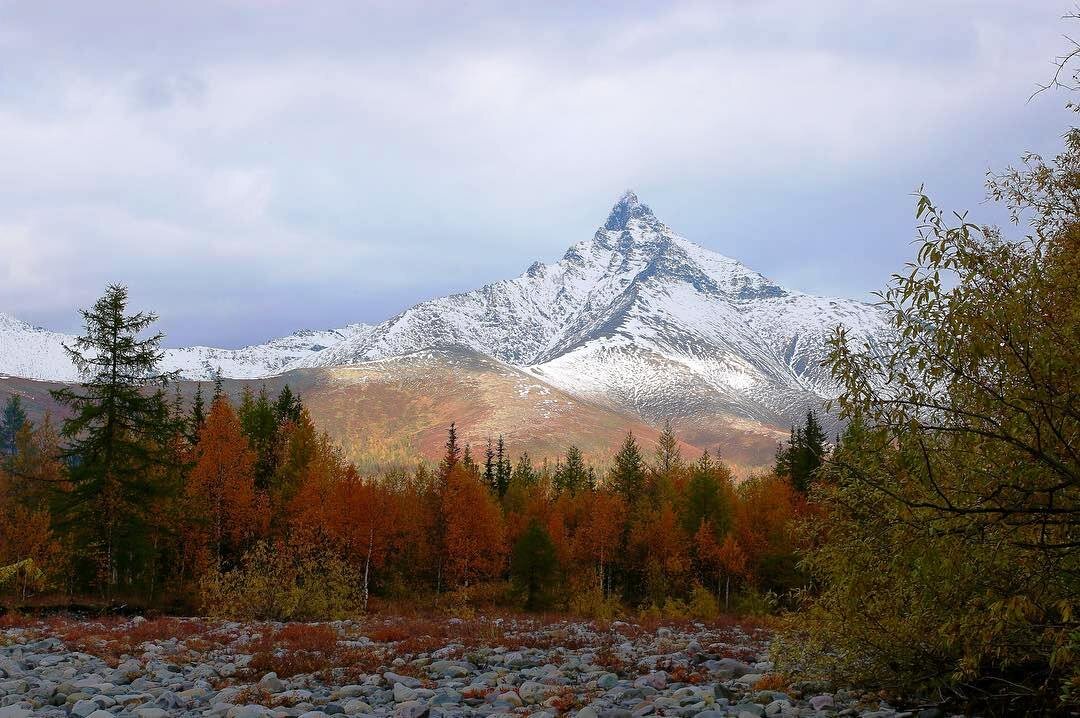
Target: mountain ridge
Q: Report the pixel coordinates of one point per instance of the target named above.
(636, 318)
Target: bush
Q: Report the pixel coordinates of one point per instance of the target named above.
(591, 603)
(279, 582)
(947, 557)
(703, 605)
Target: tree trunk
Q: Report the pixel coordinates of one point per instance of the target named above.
(367, 565)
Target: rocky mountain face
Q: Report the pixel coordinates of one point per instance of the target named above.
(643, 320)
(636, 318)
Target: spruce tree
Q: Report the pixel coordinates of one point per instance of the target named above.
(118, 437)
(533, 564)
(572, 476)
(468, 463)
(668, 454)
(627, 474)
(11, 421)
(262, 430)
(502, 468)
(287, 407)
(489, 468)
(524, 474)
(198, 414)
(452, 455)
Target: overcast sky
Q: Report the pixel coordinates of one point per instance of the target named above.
(251, 167)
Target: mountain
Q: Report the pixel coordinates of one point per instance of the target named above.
(34, 353)
(636, 321)
(640, 319)
(387, 412)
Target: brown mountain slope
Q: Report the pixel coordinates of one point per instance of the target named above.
(391, 411)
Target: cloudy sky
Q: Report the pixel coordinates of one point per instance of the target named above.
(250, 167)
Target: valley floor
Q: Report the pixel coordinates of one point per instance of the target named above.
(408, 668)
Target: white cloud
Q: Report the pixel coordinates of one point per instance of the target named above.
(370, 146)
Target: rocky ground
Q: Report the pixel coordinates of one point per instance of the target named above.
(407, 668)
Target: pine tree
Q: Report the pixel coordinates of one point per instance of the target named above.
(708, 498)
(11, 421)
(452, 455)
(489, 468)
(524, 474)
(668, 454)
(628, 472)
(287, 407)
(502, 468)
(198, 414)
(467, 462)
(263, 432)
(118, 435)
(572, 476)
(533, 564)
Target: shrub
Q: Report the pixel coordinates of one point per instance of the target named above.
(591, 603)
(278, 582)
(703, 605)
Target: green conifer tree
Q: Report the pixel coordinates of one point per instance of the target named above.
(118, 437)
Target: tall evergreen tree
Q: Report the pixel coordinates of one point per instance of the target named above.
(262, 430)
(572, 476)
(198, 414)
(288, 406)
(627, 474)
(533, 563)
(668, 454)
(708, 497)
(452, 454)
(489, 468)
(468, 463)
(524, 474)
(11, 421)
(118, 438)
(502, 468)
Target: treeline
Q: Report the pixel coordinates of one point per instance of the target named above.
(246, 508)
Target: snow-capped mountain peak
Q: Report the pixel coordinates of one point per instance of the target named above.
(635, 317)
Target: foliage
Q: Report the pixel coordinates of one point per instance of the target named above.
(949, 557)
(118, 435)
(281, 582)
(533, 565)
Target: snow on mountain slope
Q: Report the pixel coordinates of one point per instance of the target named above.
(641, 319)
(33, 353)
(636, 318)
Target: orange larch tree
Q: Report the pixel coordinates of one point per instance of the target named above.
(226, 513)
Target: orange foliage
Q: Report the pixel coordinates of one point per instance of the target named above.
(226, 513)
(475, 537)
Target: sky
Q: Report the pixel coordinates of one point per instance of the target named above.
(253, 167)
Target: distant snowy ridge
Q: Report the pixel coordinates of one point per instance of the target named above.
(34, 353)
(635, 317)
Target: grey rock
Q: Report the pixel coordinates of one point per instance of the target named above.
(271, 683)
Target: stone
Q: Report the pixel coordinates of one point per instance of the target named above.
(403, 693)
(413, 709)
(407, 681)
(249, 711)
(607, 681)
(150, 712)
(511, 698)
(100, 713)
(533, 692)
(15, 712)
(271, 683)
(83, 708)
(587, 712)
(753, 709)
(821, 702)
